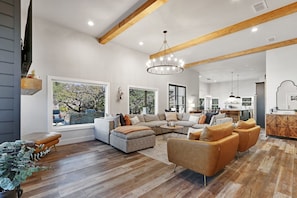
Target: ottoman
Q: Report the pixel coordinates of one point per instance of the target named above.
(134, 140)
(48, 139)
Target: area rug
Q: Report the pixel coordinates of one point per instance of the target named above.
(159, 151)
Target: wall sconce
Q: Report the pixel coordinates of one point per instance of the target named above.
(120, 94)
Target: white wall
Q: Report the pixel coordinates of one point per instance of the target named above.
(62, 52)
(281, 64)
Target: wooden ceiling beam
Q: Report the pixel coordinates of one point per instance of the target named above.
(145, 9)
(280, 12)
(244, 52)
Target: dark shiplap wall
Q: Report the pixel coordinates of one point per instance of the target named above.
(10, 64)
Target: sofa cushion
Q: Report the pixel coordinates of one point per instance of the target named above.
(214, 118)
(134, 120)
(150, 117)
(186, 116)
(184, 123)
(171, 116)
(162, 116)
(199, 126)
(133, 135)
(193, 118)
(214, 133)
(250, 123)
(208, 117)
(179, 116)
(141, 118)
(153, 123)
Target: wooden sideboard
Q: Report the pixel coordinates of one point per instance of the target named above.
(281, 125)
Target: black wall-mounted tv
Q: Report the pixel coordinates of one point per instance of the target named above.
(27, 45)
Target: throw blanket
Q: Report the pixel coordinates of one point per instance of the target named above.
(130, 129)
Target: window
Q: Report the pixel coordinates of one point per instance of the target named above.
(214, 103)
(142, 100)
(76, 102)
(246, 101)
(201, 103)
(177, 98)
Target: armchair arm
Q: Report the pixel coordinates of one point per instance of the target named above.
(102, 128)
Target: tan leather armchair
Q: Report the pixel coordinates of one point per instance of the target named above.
(205, 157)
(248, 133)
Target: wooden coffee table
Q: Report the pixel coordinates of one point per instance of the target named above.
(172, 128)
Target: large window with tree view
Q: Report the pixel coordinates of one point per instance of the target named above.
(142, 100)
(77, 102)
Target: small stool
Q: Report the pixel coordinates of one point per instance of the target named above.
(48, 139)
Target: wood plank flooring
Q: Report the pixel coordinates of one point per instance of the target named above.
(95, 169)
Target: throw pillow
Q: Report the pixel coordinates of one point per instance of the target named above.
(214, 133)
(162, 116)
(202, 119)
(250, 123)
(149, 117)
(186, 116)
(214, 118)
(208, 117)
(171, 116)
(140, 118)
(194, 119)
(134, 120)
(116, 120)
(127, 120)
(179, 116)
(122, 120)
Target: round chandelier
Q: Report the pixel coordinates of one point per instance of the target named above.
(166, 64)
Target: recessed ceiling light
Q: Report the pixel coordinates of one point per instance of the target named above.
(140, 43)
(254, 29)
(91, 23)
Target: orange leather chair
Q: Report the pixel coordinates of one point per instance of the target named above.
(208, 152)
(248, 133)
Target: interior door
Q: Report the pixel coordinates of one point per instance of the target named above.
(260, 104)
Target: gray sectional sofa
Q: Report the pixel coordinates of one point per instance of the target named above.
(104, 126)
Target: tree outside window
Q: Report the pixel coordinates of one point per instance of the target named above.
(141, 101)
(77, 102)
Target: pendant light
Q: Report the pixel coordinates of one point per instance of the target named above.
(232, 96)
(238, 87)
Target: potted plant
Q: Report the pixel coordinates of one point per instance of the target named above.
(15, 166)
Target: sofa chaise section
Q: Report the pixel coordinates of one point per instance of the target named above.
(132, 138)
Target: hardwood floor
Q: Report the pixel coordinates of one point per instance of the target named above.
(94, 169)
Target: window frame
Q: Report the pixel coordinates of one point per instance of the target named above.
(147, 89)
(50, 80)
(176, 96)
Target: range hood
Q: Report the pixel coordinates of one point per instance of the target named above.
(30, 86)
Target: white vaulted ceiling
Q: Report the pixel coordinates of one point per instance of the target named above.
(184, 20)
